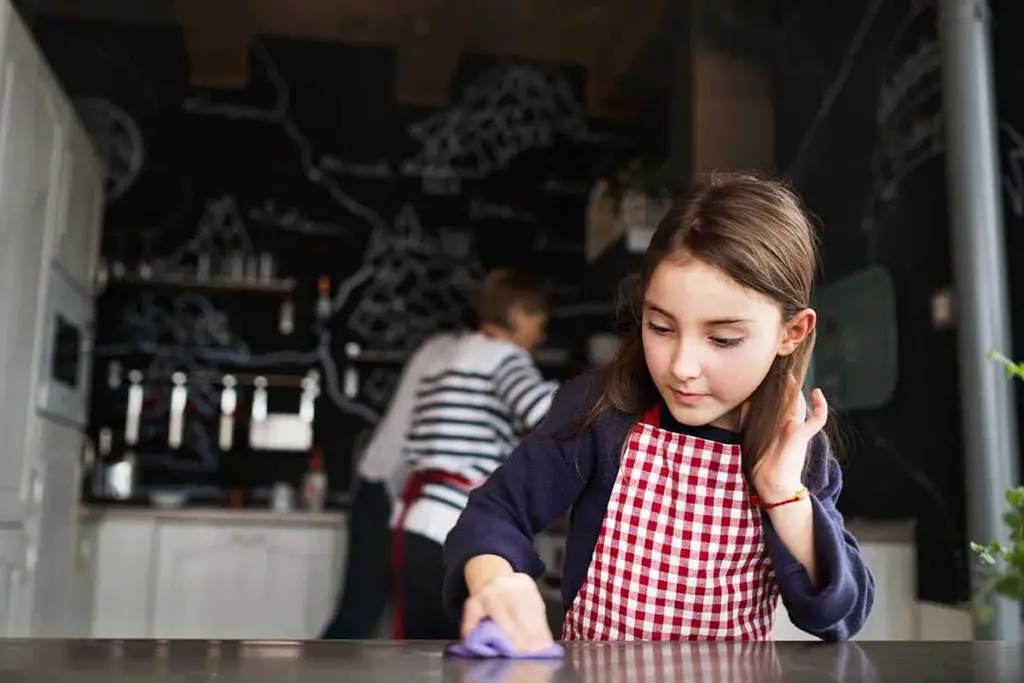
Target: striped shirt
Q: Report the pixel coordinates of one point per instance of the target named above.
(467, 418)
(383, 459)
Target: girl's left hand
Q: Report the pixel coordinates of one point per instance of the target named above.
(778, 474)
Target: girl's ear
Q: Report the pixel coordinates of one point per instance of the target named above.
(795, 331)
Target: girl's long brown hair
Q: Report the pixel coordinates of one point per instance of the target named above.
(755, 230)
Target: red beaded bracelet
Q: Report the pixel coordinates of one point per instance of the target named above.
(798, 496)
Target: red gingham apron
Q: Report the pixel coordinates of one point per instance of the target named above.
(680, 555)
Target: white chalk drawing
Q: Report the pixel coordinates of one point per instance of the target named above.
(118, 142)
(292, 219)
(480, 209)
(380, 170)
(908, 116)
(507, 111)
(456, 242)
(220, 232)
(278, 113)
(416, 286)
(835, 88)
(1013, 172)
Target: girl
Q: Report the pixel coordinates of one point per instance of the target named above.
(700, 487)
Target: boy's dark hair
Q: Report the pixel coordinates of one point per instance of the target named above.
(504, 288)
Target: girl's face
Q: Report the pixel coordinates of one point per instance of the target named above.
(709, 342)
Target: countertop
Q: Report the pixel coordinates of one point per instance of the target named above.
(58, 661)
(331, 518)
(866, 531)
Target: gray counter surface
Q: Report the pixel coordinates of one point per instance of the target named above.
(59, 661)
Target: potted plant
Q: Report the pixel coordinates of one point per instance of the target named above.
(1004, 564)
(630, 197)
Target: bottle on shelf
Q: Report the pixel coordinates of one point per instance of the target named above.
(314, 483)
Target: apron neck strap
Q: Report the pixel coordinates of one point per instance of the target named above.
(653, 416)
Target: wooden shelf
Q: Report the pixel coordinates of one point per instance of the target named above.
(545, 357)
(211, 284)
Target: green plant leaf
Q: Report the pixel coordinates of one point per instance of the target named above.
(983, 612)
(1011, 586)
(1015, 558)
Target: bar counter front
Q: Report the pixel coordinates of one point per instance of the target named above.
(116, 661)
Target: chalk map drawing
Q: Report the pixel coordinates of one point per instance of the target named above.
(505, 112)
(412, 281)
(908, 116)
(417, 286)
(1012, 152)
(220, 232)
(118, 142)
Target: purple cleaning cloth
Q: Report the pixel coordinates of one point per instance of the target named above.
(488, 640)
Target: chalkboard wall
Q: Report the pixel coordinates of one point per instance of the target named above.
(860, 132)
(314, 163)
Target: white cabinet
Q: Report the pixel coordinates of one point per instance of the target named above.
(216, 574)
(242, 581)
(12, 560)
(893, 563)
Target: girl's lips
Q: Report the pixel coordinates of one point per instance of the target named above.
(688, 399)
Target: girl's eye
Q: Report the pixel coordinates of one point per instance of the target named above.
(658, 329)
(726, 342)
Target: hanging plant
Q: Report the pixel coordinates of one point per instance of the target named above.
(638, 175)
(1003, 563)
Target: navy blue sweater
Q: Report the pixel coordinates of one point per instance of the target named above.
(555, 468)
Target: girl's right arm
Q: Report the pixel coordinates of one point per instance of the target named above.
(489, 554)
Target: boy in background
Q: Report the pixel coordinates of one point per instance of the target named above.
(467, 417)
(382, 475)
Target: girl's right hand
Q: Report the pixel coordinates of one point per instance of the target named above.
(514, 603)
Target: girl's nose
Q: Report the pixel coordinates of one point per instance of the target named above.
(686, 364)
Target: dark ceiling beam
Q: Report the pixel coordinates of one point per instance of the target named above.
(217, 35)
(626, 60)
(433, 36)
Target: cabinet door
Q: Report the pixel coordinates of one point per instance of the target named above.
(84, 585)
(304, 575)
(12, 582)
(209, 583)
(243, 581)
(30, 134)
(52, 523)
